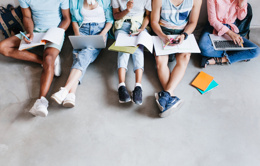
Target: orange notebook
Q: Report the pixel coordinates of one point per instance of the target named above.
(202, 81)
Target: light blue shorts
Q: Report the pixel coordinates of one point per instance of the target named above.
(49, 44)
(84, 57)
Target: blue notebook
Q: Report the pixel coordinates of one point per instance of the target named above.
(211, 86)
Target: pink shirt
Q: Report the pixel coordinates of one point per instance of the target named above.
(225, 12)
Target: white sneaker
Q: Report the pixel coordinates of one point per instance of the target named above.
(69, 100)
(57, 67)
(60, 95)
(40, 107)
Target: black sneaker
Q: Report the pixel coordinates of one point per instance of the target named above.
(124, 96)
(137, 95)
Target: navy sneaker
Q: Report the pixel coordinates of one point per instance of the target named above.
(137, 95)
(162, 99)
(173, 104)
(123, 94)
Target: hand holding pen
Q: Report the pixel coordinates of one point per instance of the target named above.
(27, 38)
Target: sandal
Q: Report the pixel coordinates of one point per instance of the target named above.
(218, 61)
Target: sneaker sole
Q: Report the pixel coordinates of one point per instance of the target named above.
(68, 104)
(157, 101)
(172, 109)
(124, 101)
(38, 113)
(56, 99)
(133, 100)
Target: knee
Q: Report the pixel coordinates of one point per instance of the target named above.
(184, 60)
(48, 61)
(160, 62)
(3, 49)
(205, 47)
(254, 52)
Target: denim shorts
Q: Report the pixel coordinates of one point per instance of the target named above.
(49, 44)
(137, 56)
(82, 58)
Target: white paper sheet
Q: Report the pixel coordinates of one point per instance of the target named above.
(144, 38)
(189, 45)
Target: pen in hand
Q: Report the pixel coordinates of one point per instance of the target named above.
(168, 42)
(24, 36)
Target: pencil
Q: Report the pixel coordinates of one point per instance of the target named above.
(168, 42)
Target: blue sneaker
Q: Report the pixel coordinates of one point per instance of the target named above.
(123, 95)
(162, 99)
(173, 104)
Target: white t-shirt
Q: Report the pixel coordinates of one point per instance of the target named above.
(95, 15)
(138, 8)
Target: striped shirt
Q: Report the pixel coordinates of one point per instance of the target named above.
(175, 17)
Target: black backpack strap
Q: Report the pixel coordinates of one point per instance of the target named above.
(5, 28)
(17, 19)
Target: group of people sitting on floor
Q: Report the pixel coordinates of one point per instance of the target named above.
(97, 17)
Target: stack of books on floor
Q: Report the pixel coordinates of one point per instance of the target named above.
(204, 82)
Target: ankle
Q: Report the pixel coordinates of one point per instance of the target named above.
(121, 84)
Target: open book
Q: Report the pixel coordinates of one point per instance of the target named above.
(189, 45)
(54, 35)
(144, 38)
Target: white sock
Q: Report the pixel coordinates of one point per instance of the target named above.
(138, 84)
(121, 84)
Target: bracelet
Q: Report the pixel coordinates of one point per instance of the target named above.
(185, 34)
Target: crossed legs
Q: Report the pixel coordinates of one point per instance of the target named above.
(170, 80)
(9, 48)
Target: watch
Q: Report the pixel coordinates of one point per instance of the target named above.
(185, 34)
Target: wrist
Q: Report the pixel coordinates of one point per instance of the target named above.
(185, 35)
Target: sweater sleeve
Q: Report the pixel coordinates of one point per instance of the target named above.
(108, 11)
(242, 12)
(212, 16)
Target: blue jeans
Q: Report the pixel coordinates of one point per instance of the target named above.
(82, 58)
(208, 51)
(137, 56)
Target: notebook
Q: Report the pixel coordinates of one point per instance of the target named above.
(189, 45)
(125, 49)
(211, 86)
(54, 35)
(144, 38)
(225, 43)
(202, 81)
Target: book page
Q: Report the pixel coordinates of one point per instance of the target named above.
(37, 37)
(146, 40)
(125, 40)
(54, 35)
(143, 38)
(188, 46)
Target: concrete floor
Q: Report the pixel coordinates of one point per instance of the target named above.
(221, 127)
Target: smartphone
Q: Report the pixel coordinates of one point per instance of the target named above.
(175, 41)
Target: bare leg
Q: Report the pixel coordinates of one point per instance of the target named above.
(163, 69)
(73, 80)
(74, 88)
(49, 57)
(178, 72)
(9, 48)
(121, 74)
(138, 75)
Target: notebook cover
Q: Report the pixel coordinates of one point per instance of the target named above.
(202, 81)
(211, 86)
(126, 49)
